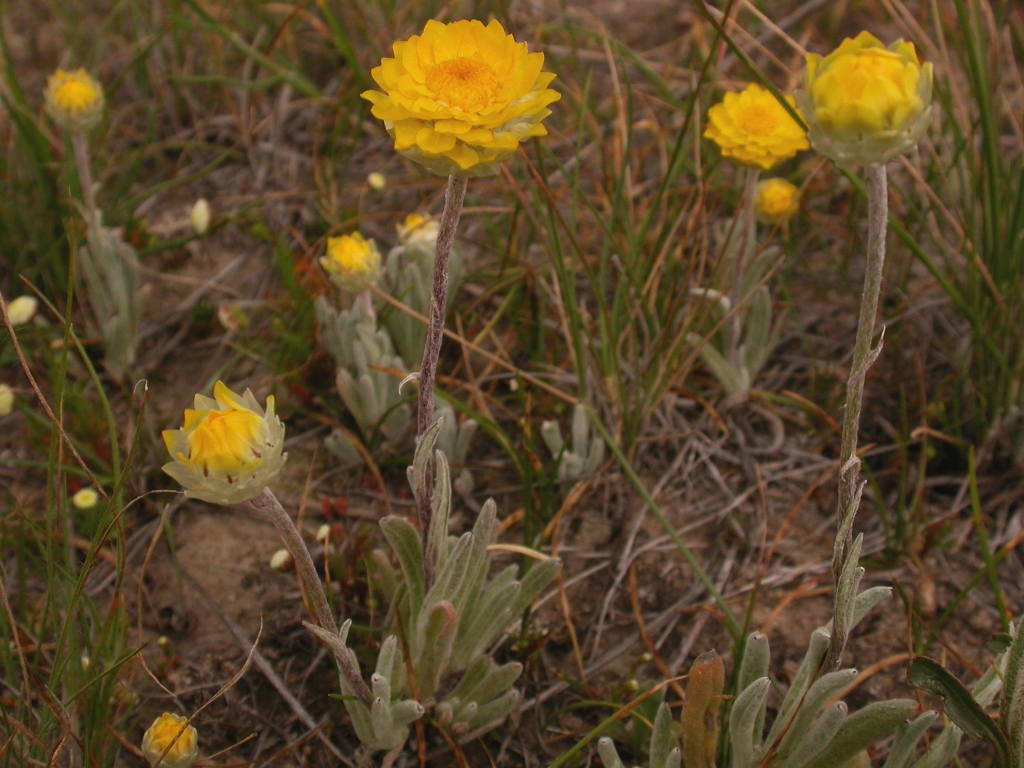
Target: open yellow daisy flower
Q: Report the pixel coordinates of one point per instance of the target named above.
(753, 129)
(461, 97)
(776, 200)
(228, 450)
(866, 103)
(349, 256)
(73, 99)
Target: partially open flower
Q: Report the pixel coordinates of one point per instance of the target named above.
(461, 97)
(776, 200)
(6, 400)
(866, 103)
(74, 100)
(228, 450)
(22, 309)
(754, 129)
(349, 257)
(163, 733)
(87, 498)
(418, 229)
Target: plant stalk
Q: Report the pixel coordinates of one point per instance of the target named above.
(748, 236)
(268, 504)
(81, 147)
(863, 356)
(453, 198)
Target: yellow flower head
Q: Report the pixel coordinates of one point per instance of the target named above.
(86, 498)
(460, 97)
(418, 229)
(349, 256)
(22, 309)
(753, 129)
(228, 450)
(162, 733)
(776, 201)
(74, 100)
(866, 103)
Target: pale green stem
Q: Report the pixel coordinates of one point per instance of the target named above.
(268, 504)
(863, 357)
(81, 147)
(453, 198)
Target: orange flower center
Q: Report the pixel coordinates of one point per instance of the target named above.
(758, 119)
(463, 83)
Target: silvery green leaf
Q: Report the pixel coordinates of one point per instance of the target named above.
(663, 741)
(481, 667)
(867, 600)
(438, 639)
(1012, 712)
(466, 432)
(570, 467)
(361, 720)
(464, 484)
(465, 713)
(823, 689)
(420, 461)
(536, 579)
(818, 737)
(746, 722)
(405, 712)
(440, 505)
(942, 750)
(728, 377)
(907, 736)
(862, 729)
(386, 660)
(756, 658)
(380, 686)
(369, 403)
(495, 711)
(552, 436)
(488, 622)
(448, 581)
(580, 430)
(485, 531)
(386, 574)
(801, 680)
(443, 713)
(349, 392)
(495, 683)
(609, 756)
(405, 542)
(339, 444)
(595, 457)
(757, 330)
(673, 760)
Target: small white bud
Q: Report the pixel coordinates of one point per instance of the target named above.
(6, 400)
(377, 181)
(22, 309)
(200, 216)
(282, 561)
(86, 661)
(323, 533)
(513, 385)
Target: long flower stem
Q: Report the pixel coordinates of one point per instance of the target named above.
(81, 148)
(268, 504)
(863, 357)
(453, 198)
(748, 235)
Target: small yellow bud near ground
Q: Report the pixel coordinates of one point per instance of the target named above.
(74, 100)
(164, 642)
(86, 498)
(351, 256)
(200, 216)
(866, 103)
(22, 309)
(6, 400)
(460, 97)
(418, 229)
(228, 449)
(752, 128)
(164, 733)
(323, 533)
(282, 561)
(376, 181)
(776, 201)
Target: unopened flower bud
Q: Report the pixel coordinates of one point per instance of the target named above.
(377, 181)
(22, 309)
(200, 216)
(349, 258)
(6, 400)
(166, 731)
(323, 533)
(85, 498)
(282, 561)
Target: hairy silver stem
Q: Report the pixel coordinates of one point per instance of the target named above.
(268, 504)
(748, 235)
(81, 148)
(863, 356)
(453, 198)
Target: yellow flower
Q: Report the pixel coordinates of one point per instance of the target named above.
(753, 129)
(460, 97)
(866, 103)
(162, 733)
(74, 100)
(228, 449)
(6, 400)
(418, 229)
(349, 256)
(85, 498)
(22, 309)
(776, 201)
